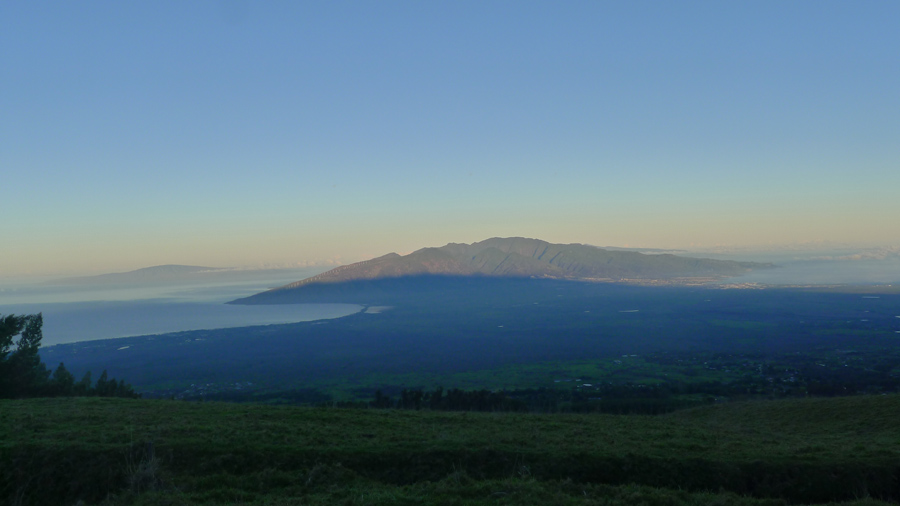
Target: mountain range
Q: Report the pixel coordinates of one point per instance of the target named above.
(516, 257)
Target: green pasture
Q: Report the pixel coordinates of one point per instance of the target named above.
(58, 451)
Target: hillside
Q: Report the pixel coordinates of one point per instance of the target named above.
(477, 332)
(513, 257)
(59, 451)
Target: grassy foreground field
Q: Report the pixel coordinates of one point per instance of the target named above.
(114, 451)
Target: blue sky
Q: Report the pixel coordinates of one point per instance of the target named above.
(248, 133)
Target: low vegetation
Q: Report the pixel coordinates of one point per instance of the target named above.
(117, 451)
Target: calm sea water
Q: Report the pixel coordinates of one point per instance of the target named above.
(817, 272)
(84, 313)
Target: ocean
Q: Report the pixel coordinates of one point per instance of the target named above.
(75, 313)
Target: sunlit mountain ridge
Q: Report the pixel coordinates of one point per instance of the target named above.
(518, 256)
(515, 257)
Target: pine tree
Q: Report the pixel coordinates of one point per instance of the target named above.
(22, 374)
(62, 383)
(83, 387)
(103, 386)
(10, 326)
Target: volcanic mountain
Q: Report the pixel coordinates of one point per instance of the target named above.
(513, 257)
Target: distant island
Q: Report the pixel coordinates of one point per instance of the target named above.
(156, 274)
(172, 275)
(512, 257)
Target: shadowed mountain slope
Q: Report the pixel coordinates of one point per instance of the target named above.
(514, 257)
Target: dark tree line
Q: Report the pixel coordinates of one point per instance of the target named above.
(22, 374)
(619, 400)
(648, 399)
(451, 400)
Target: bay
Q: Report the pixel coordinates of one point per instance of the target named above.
(85, 313)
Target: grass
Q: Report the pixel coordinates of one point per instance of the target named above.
(170, 452)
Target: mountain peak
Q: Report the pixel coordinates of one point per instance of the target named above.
(522, 257)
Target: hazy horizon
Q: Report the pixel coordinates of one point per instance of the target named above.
(239, 134)
(844, 259)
